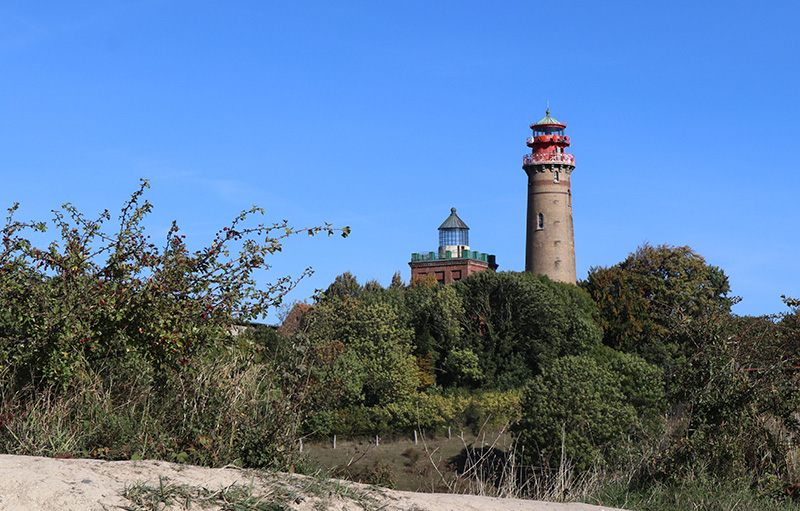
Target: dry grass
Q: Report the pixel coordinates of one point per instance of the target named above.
(486, 464)
(427, 465)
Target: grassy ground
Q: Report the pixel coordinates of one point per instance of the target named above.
(426, 465)
(432, 464)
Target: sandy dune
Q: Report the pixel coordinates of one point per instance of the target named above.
(35, 483)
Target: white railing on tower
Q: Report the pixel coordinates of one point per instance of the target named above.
(530, 159)
(549, 139)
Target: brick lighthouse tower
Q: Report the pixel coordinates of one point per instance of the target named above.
(550, 242)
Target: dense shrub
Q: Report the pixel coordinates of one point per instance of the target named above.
(575, 411)
(92, 297)
(113, 347)
(740, 413)
(228, 409)
(367, 352)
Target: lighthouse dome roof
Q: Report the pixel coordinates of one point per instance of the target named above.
(549, 121)
(453, 222)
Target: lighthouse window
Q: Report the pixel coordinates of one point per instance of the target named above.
(449, 237)
(555, 176)
(540, 225)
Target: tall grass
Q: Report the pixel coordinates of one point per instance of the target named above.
(228, 408)
(490, 471)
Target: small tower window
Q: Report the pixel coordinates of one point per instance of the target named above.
(540, 223)
(555, 176)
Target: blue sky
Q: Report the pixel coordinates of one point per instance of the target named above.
(383, 115)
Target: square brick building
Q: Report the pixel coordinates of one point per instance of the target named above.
(454, 260)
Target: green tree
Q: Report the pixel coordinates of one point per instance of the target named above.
(517, 323)
(463, 367)
(391, 296)
(343, 286)
(114, 347)
(367, 349)
(641, 383)
(640, 299)
(397, 281)
(346, 286)
(434, 313)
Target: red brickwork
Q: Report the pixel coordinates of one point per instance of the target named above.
(447, 270)
(293, 320)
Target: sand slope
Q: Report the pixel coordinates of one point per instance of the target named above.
(35, 483)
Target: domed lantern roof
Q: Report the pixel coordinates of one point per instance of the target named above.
(548, 121)
(453, 222)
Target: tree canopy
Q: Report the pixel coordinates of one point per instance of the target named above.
(367, 351)
(517, 322)
(640, 299)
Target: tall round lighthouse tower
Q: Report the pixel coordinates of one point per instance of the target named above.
(550, 242)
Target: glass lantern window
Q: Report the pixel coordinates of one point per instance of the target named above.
(449, 237)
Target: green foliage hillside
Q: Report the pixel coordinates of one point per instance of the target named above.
(117, 346)
(586, 409)
(368, 351)
(640, 370)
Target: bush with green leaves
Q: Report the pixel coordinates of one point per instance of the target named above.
(91, 296)
(582, 411)
(435, 314)
(739, 397)
(227, 408)
(491, 330)
(429, 412)
(115, 347)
